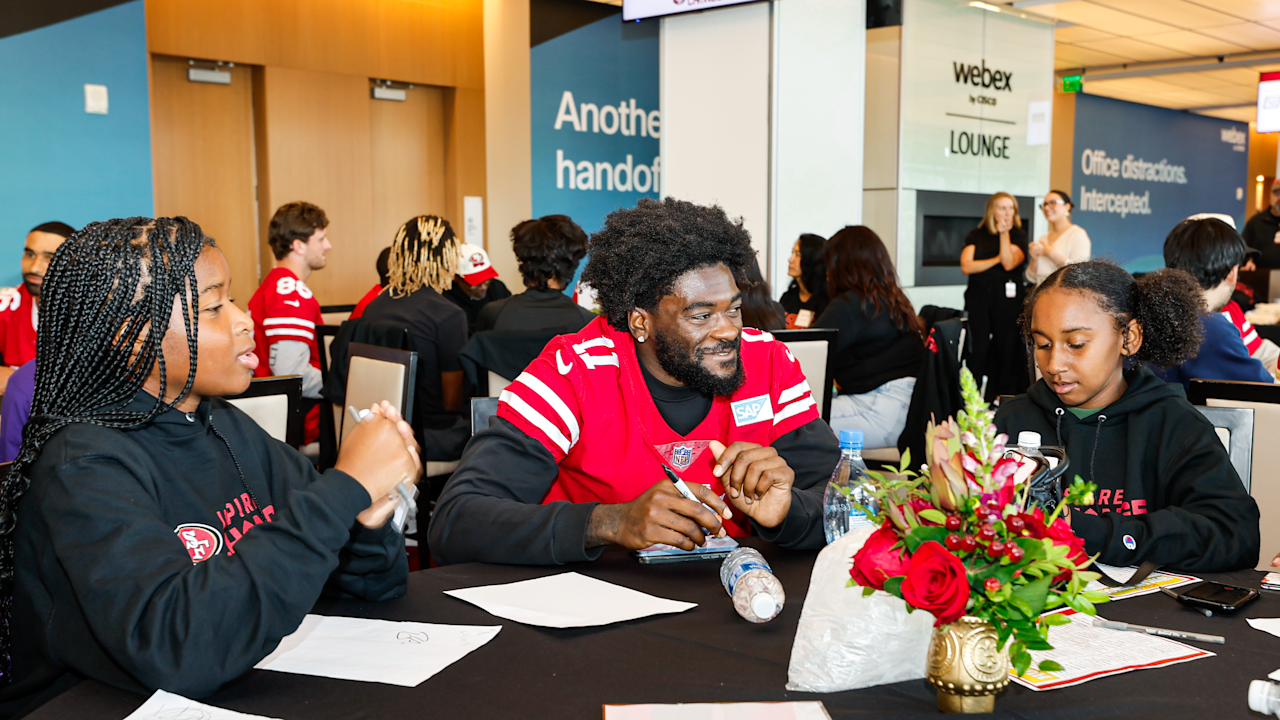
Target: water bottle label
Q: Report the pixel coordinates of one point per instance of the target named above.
(859, 519)
(743, 569)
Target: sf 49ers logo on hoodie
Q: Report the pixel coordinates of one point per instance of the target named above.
(201, 541)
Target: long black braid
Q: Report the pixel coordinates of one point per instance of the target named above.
(104, 310)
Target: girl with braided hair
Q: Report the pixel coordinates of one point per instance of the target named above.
(424, 258)
(152, 535)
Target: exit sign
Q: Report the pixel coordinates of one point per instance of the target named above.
(1072, 83)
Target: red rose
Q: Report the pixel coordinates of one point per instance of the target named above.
(918, 504)
(879, 560)
(936, 581)
(1033, 523)
(1061, 534)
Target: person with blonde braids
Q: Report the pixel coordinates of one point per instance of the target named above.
(424, 258)
(151, 534)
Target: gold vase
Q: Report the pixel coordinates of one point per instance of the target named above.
(966, 667)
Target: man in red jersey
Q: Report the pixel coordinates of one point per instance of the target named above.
(285, 312)
(667, 376)
(19, 307)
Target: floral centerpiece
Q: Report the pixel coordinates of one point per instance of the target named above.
(960, 540)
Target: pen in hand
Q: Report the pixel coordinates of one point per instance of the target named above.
(410, 506)
(684, 490)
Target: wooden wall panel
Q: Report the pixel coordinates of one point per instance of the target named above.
(203, 161)
(465, 154)
(408, 178)
(314, 145)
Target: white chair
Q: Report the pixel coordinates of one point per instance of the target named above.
(814, 350)
(274, 403)
(496, 383)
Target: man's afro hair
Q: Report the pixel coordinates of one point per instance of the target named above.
(638, 255)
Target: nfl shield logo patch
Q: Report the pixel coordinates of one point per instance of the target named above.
(681, 456)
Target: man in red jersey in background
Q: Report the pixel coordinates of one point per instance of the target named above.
(19, 307)
(667, 376)
(285, 312)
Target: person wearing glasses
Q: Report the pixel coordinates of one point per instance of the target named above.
(1065, 243)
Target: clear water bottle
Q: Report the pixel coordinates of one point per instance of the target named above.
(839, 515)
(1027, 453)
(1264, 697)
(757, 594)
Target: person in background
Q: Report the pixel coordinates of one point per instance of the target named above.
(160, 537)
(1262, 233)
(881, 339)
(424, 258)
(573, 460)
(994, 256)
(759, 309)
(383, 258)
(806, 298)
(1167, 492)
(475, 285)
(20, 306)
(284, 310)
(549, 250)
(1065, 243)
(1211, 252)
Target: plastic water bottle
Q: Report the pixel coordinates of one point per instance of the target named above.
(1264, 697)
(757, 594)
(1028, 454)
(839, 515)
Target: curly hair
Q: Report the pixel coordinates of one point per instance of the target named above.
(548, 248)
(641, 251)
(1166, 303)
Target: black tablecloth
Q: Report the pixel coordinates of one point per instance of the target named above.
(707, 654)
(1269, 332)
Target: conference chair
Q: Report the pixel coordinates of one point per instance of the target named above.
(1234, 427)
(491, 359)
(482, 408)
(330, 413)
(275, 403)
(1263, 484)
(937, 391)
(335, 314)
(814, 350)
(375, 374)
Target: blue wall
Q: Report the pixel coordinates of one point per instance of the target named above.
(58, 162)
(1194, 164)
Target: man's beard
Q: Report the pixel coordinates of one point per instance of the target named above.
(32, 288)
(687, 367)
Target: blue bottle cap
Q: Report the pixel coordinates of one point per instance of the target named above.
(851, 439)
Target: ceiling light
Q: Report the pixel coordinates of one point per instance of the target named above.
(984, 6)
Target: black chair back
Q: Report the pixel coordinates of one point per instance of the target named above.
(253, 402)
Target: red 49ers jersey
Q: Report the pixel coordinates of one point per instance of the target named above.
(284, 308)
(18, 320)
(585, 400)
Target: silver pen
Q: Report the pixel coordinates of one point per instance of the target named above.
(1162, 632)
(411, 508)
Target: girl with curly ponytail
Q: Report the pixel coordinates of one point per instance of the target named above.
(1167, 492)
(151, 534)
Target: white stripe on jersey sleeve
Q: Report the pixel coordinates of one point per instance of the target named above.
(753, 337)
(524, 410)
(290, 331)
(289, 321)
(533, 383)
(793, 409)
(793, 392)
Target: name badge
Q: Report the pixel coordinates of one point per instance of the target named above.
(804, 318)
(1276, 239)
(752, 410)
(1011, 289)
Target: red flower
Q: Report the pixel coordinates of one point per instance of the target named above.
(918, 504)
(1033, 524)
(879, 560)
(936, 581)
(1061, 534)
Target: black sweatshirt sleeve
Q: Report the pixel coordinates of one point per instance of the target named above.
(167, 622)
(1206, 521)
(812, 451)
(490, 509)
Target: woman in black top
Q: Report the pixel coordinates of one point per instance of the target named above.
(807, 297)
(994, 258)
(759, 309)
(881, 340)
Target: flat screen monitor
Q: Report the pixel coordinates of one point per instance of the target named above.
(1269, 102)
(944, 239)
(641, 9)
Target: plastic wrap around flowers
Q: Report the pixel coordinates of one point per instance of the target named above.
(958, 538)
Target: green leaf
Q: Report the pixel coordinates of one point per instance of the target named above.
(1022, 606)
(1021, 662)
(1096, 596)
(1034, 595)
(1050, 666)
(893, 586)
(868, 591)
(905, 465)
(934, 516)
(1055, 619)
(921, 535)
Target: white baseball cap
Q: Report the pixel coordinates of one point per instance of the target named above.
(474, 267)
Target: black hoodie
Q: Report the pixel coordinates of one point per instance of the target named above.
(1166, 489)
(143, 561)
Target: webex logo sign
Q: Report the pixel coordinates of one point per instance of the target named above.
(982, 76)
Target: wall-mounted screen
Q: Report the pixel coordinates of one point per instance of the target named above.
(1269, 102)
(943, 239)
(641, 9)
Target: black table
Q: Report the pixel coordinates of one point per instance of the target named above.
(707, 654)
